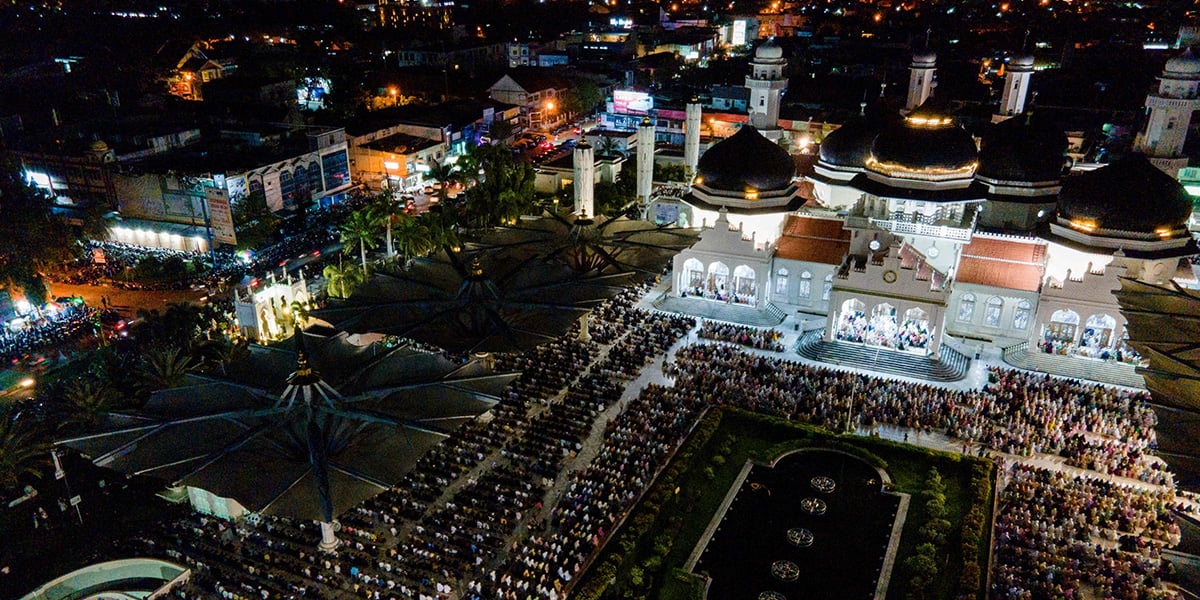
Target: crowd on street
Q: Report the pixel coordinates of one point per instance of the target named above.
(59, 330)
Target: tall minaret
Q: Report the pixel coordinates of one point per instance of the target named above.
(767, 84)
(585, 180)
(922, 78)
(645, 160)
(1016, 87)
(691, 138)
(1170, 113)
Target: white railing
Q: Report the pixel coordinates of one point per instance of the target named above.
(939, 231)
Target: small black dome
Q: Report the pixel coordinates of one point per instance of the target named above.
(850, 144)
(1128, 195)
(925, 139)
(746, 160)
(1022, 149)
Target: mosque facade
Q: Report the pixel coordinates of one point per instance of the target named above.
(915, 230)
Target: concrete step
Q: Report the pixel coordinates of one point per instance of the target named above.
(811, 346)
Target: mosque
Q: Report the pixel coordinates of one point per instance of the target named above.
(915, 231)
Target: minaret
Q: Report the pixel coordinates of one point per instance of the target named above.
(691, 138)
(922, 78)
(585, 180)
(645, 160)
(1016, 87)
(767, 84)
(1170, 113)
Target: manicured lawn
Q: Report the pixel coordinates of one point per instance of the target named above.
(643, 559)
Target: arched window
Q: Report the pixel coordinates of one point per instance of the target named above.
(781, 282)
(828, 287)
(805, 285)
(255, 184)
(1021, 317)
(301, 182)
(991, 316)
(314, 178)
(966, 307)
(286, 188)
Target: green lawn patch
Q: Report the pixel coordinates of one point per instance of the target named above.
(645, 557)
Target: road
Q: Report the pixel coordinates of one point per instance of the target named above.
(128, 302)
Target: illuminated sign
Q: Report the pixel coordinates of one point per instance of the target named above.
(631, 102)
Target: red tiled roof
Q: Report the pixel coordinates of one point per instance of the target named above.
(1011, 275)
(989, 247)
(813, 239)
(815, 227)
(830, 252)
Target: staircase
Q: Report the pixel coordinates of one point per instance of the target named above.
(776, 312)
(1075, 367)
(952, 367)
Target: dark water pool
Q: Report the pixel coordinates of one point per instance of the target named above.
(751, 553)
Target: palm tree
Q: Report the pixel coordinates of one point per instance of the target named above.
(385, 211)
(91, 399)
(444, 174)
(360, 230)
(340, 280)
(413, 238)
(608, 146)
(163, 368)
(22, 450)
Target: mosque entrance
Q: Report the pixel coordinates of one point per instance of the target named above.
(881, 328)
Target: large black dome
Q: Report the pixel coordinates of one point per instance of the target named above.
(1128, 195)
(922, 142)
(746, 160)
(1022, 149)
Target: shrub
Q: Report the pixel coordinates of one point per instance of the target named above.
(968, 582)
(921, 566)
(935, 508)
(935, 531)
(718, 460)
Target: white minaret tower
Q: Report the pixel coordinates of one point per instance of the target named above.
(767, 84)
(645, 161)
(1170, 113)
(1016, 87)
(922, 78)
(585, 180)
(691, 138)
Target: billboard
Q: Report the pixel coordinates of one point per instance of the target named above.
(631, 102)
(220, 216)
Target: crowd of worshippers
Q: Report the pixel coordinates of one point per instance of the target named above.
(59, 330)
(743, 335)
(451, 526)
(1016, 412)
(1059, 535)
(1113, 457)
(501, 510)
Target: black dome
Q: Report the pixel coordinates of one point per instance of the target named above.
(1128, 195)
(925, 141)
(850, 144)
(1022, 149)
(746, 160)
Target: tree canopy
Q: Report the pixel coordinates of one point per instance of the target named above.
(31, 237)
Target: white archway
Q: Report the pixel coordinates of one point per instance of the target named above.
(1061, 329)
(693, 275)
(914, 329)
(852, 321)
(718, 280)
(745, 285)
(1098, 331)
